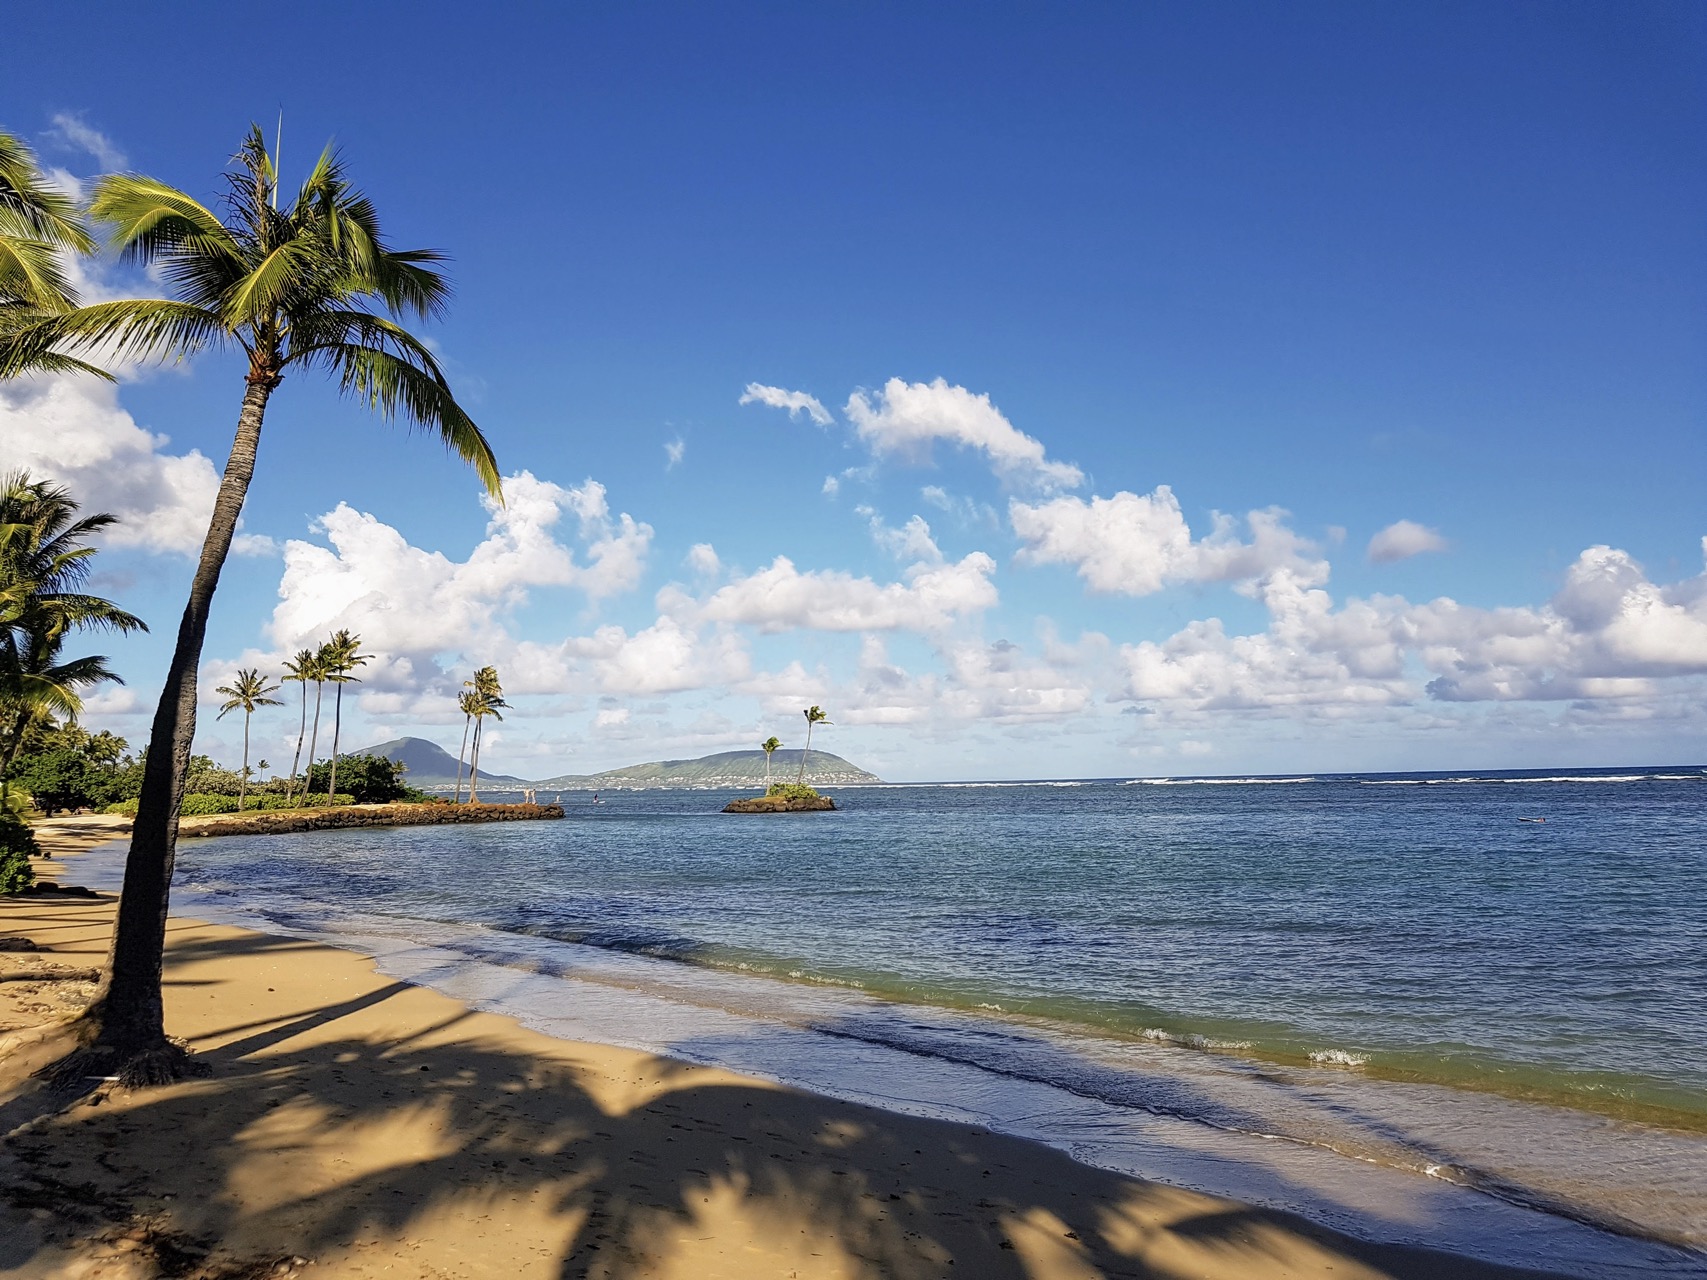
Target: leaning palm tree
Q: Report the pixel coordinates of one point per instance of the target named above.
(488, 701)
(39, 224)
(345, 659)
(248, 691)
(301, 670)
(814, 715)
(310, 284)
(466, 702)
(768, 746)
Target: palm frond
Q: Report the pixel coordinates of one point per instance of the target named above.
(32, 208)
(391, 384)
(150, 219)
(33, 272)
(132, 328)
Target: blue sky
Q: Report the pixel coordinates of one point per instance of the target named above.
(1439, 264)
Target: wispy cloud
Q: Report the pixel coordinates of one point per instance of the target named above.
(71, 132)
(796, 402)
(674, 451)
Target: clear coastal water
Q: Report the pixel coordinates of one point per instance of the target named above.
(1393, 969)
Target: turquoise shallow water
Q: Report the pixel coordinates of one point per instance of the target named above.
(1396, 968)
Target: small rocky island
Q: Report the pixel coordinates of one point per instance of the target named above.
(783, 797)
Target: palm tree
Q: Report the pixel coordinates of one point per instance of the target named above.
(488, 700)
(38, 223)
(769, 745)
(814, 715)
(43, 563)
(248, 691)
(345, 659)
(466, 702)
(309, 285)
(301, 670)
(318, 673)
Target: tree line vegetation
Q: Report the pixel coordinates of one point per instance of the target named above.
(305, 283)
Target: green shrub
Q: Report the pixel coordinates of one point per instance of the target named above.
(200, 806)
(370, 779)
(791, 791)
(60, 779)
(17, 845)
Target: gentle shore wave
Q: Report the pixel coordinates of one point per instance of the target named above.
(847, 1044)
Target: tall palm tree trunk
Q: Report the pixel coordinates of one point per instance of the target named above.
(243, 782)
(131, 1016)
(301, 729)
(337, 724)
(801, 776)
(474, 764)
(313, 744)
(466, 721)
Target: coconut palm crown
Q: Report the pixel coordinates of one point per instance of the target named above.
(310, 284)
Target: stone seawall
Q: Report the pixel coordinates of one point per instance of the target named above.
(279, 822)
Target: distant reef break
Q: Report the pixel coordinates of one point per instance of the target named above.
(431, 768)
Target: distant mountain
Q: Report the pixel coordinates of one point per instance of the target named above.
(428, 765)
(726, 769)
(432, 768)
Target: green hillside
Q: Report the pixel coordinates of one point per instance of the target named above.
(726, 769)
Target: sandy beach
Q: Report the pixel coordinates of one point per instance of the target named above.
(357, 1126)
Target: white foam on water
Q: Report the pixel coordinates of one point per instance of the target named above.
(1339, 1058)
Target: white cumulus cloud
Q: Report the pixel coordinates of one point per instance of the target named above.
(905, 418)
(1608, 634)
(1136, 544)
(781, 597)
(73, 430)
(413, 604)
(1403, 539)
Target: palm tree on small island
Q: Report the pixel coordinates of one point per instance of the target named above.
(814, 715)
(487, 700)
(248, 691)
(769, 746)
(312, 284)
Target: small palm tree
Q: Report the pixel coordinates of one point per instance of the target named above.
(248, 691)
(318, 672)
(38, 224)
(309, 285)
(301, 670)
(768, 746)
(344, 660)
(814, 715)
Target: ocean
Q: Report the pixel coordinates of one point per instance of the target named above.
(1464, 1010)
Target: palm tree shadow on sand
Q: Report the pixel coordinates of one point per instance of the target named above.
(312, 1139)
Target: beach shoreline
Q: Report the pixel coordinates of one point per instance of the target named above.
(366, 1122)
